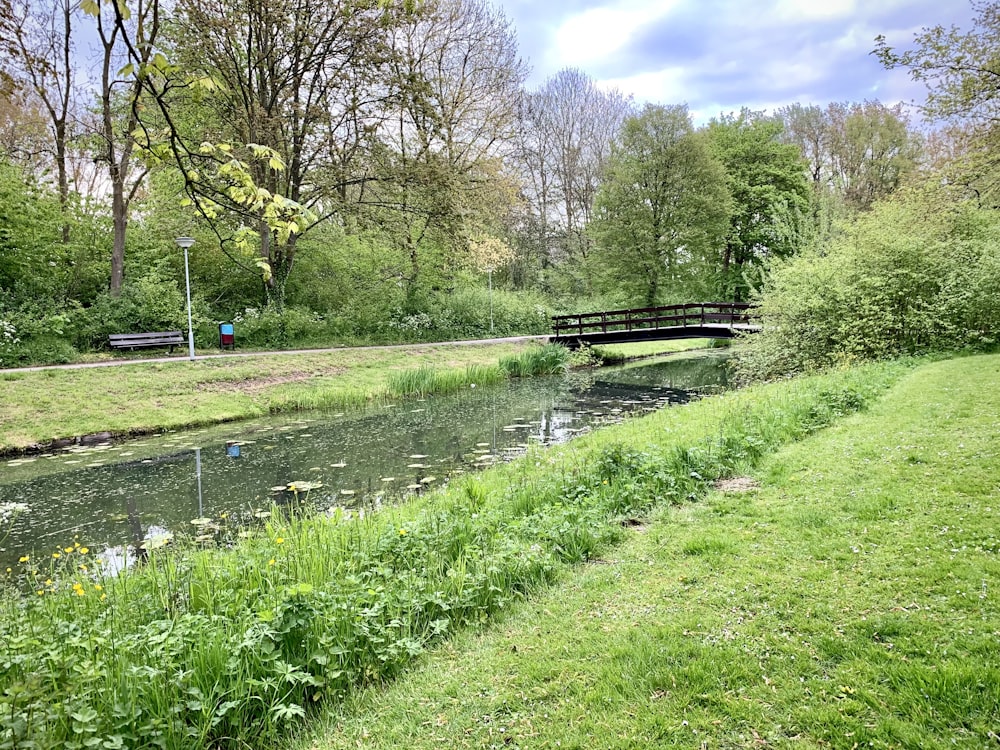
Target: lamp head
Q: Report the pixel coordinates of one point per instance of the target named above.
(185, 242)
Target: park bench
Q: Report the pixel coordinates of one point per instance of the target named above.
(143, 340)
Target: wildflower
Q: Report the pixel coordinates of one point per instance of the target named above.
(403, 532)
(81, 592)
(76, 544)
(83, 568)
(24, 558)
(48, 581)
(67, 550)
(280, 540)
(8, 570)
(98, 587)
(40, 592)
(84, 550)
(271, 561)
(56, 555)
(103, 597)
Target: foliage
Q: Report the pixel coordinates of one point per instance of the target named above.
(227, 647)
(151, 302)
(911, 276)
(960, 71)
(770, 198)
(663, 210)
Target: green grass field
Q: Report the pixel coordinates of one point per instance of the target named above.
(845, 596)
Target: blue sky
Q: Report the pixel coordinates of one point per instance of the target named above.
(719, 55)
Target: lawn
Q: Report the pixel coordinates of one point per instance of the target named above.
(845, 595)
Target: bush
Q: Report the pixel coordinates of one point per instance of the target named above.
(268, 328)
(911, 276)
(150, 303)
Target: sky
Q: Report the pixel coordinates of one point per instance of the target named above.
(717, 56)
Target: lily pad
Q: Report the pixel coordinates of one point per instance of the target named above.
(428, 480)
(341, 465)
(417, 455)
(201, 521)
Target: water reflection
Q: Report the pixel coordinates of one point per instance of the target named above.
(133, 494)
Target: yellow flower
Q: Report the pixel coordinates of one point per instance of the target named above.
(280, 540)
(40, 592)
(24, 559)
(403, 532)
(271, 561)
(56, 555)
(67, 550)
(103, 597)
(98, 587)
(83, 568)
(8, 570)
(48, 581)
(76, 544)
(84, 550)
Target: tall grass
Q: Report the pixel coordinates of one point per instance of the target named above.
(226, 647)
(550, 359)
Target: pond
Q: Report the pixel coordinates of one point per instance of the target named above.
(115, 494)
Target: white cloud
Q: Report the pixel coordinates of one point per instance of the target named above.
(805, 11)
(596, 34)
(663, 86)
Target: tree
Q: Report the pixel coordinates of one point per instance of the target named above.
(38, 36)
(961, 70)
(664, 209)
(291, 79)
(438, 171)
(770, 197)
(568, 127)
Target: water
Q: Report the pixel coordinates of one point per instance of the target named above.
(112, 495)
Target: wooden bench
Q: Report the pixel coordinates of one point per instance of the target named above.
(144, 340)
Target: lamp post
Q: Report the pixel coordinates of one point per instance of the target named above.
(186, 242)
(489, 276)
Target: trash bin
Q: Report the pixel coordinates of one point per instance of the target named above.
(227, 337)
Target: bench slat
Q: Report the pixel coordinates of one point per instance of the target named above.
(139, 340)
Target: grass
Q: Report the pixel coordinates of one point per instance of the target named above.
(41, 406)
(848, 599)
(621, 352)
(232, 647)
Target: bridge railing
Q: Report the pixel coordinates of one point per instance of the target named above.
(644, 318)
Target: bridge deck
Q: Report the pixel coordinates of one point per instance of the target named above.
(718, 320)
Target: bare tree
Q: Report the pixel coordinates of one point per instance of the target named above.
(569, 126)
(457, 78)
(37, 37)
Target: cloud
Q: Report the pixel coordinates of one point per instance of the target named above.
(719, 55)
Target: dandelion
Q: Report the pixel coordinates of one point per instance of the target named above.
(98, 587)
(48, 581)
(56, 555)
(403, 532)
(84, 550)
(24, 558)
(280, 540)
(271, 561)
(67, 550)
(40, 592)
(83, 568)
(103, 597)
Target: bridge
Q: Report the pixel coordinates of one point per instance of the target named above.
(696, 320)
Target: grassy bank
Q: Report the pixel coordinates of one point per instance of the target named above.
(844, 598)
(41, 406)
(229, 648)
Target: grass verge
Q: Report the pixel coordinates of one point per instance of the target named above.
(229, 648)
(846, 599)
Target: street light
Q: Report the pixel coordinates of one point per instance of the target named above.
(489, 276)
(186, 242)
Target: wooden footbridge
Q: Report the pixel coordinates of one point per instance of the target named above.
(696, 320)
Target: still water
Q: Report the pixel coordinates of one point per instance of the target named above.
(205, 482)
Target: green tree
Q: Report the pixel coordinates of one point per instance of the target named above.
(961, 70)
(770, 192)
(663, 211)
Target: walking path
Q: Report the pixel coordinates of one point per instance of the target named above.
(179, 358)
